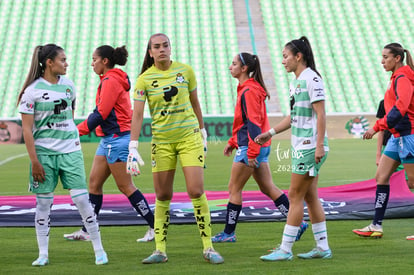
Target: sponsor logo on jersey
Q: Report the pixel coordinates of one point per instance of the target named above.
(169, 112)
(29, 106)
(307, 141)
(169, 92)
(319, 92)
(140, 93)
(45, 96)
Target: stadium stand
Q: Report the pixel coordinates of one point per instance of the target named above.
(347, 37)
(202, 34)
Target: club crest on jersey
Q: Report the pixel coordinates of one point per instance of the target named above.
(68, 93)
(180, 78)
(35, 184)
(297, 90)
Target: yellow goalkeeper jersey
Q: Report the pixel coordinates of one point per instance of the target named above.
(168, 96)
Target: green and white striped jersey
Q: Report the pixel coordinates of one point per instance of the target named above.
(305, 90)
(54, 130)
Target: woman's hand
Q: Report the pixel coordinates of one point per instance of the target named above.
(319, 153)
(228, 150)
(38, 173)
(369, 134)
(262, 138)
(252, 163)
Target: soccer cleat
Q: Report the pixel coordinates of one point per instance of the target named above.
(101, 258)
(212, 256)
(302, 228)
(410, 238)
(148, 237)
(223, 237)
(41, 261)
(316, 253)
(370, 231)
(155, 258)
(277, 255)
(79, 235)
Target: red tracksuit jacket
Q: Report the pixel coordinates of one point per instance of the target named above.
(399, 104)
(113, 112)
(250, 117)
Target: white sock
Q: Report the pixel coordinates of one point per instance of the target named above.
(81, 198)
(44, 203)
(320, 235)
(289, 236)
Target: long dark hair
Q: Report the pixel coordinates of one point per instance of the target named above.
(396, 49)
(148, 60)
(253, 68)
(117, 56)
(303, 46)
(40, 55)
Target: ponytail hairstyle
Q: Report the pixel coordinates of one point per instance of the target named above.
(302, 45)
(396, 49)
(117, 56)
(253, 68)
(40, 55)
(148, 60)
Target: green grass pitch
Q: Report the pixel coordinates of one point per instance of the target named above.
(348, 161)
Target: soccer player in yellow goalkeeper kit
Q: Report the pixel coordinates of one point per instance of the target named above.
(170, 87)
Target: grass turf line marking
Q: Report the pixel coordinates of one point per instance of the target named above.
(12, 158)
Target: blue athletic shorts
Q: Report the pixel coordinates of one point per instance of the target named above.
(115, 149)
(400, 149)
(241, 155)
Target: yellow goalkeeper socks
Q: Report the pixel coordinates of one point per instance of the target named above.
(203, 219)
(161, 222)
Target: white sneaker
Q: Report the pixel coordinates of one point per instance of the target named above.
(41, 261)
(148, 237)
(79, 235)
(101, 258)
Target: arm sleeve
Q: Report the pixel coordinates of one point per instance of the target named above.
(250, 102)
(73, 98)
(316, 89)
(381, 110)
(107, 98)
(233, 142)
(403, 93)
(140, 93)
(27, 103)
(192, 81)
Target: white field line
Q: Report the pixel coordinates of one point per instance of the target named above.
(12, 158)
